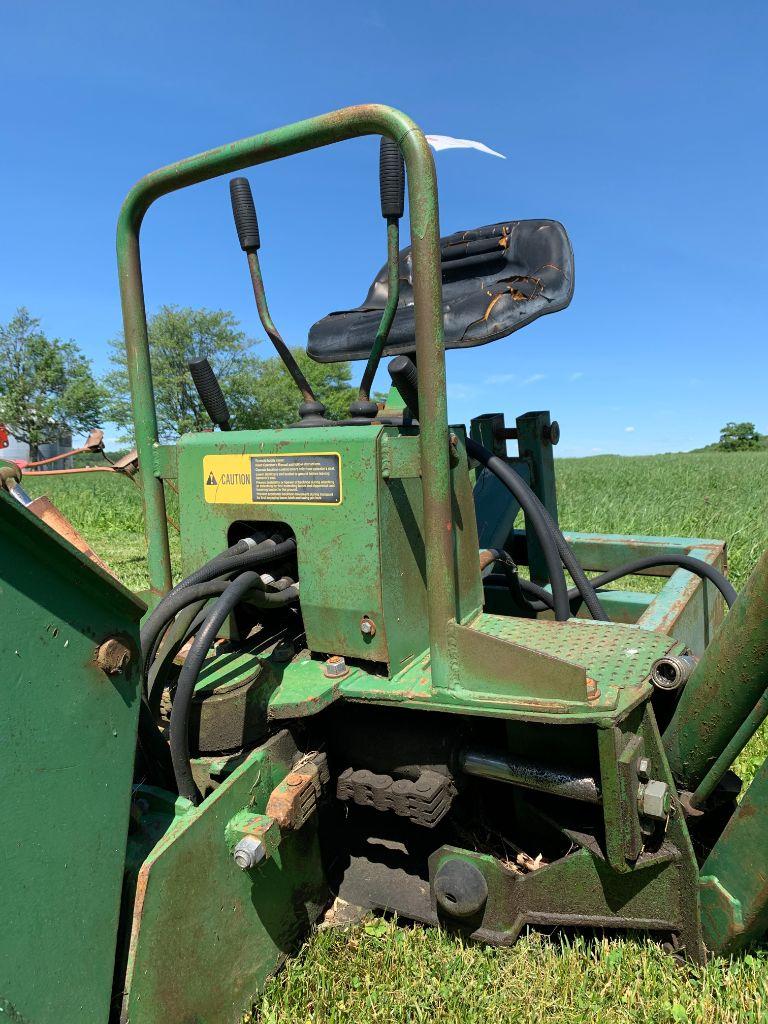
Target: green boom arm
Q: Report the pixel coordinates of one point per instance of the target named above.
(351, 122)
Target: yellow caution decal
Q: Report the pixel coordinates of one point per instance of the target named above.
(286, 478)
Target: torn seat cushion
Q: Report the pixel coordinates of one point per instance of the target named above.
(496, 279)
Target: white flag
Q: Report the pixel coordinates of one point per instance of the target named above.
(438, 142)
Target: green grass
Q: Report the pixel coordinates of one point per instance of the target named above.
(378, 972)
(382, 974)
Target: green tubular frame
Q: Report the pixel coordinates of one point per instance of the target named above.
(350, 122)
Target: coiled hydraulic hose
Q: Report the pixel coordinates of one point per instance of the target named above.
(240, 557)
(515, 483)
(185, 687)
(695, 565)
(533, 510)
(169, 608)
(403, 373)
(584, 585)
(183, 627)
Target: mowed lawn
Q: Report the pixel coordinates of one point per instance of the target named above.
(380, 972)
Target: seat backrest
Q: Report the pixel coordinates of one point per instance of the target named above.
(496, 279)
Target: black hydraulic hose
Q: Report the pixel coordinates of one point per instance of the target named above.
(185, 625)
(695, 565)
(403, 373)
(532, 508)
(193, 663)
(512, 579)
(584, 585)
(567, 557)
(226, 564)
(185, 687)
(194, 597)
(169, 608)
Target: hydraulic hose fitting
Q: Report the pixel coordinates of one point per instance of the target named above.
(672, 671)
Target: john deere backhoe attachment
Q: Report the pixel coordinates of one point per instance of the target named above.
(376, 681)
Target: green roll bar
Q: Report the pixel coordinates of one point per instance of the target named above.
(350, 122)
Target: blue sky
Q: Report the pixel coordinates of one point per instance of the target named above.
(639, 125)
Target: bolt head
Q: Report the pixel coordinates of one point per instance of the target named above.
(367, 626)
(643, 769)
(249, 852)
(335, 667)
(113, 656)
(654, 800)
(552, 432)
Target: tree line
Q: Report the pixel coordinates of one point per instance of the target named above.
(48, 388)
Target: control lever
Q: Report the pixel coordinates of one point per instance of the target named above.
(311, 411)
(392, 193)
(209, 390)
(402, 370)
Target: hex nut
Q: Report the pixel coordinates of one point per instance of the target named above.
(367, 626)
(643, 769)
(113, 656)
(249, 852)
(336, 667)
(654, 800)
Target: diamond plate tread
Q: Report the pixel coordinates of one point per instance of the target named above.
(612, 654)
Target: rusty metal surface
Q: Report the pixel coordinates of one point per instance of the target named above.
(725, 686)
(194, 906)
(44, 509)
(67, 755)
(734, 877)
(422, 189)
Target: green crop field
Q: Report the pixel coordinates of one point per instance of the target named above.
(381, 973)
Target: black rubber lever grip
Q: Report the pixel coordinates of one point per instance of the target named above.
(210, 392)
(404, 377)
(245, 214)
(391, 178)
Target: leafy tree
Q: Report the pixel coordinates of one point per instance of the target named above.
(259, 392)
(736, 437)
(46, 385)
(271, 399)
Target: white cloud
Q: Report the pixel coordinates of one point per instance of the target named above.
(577, 375)
(629, 430)
(597, 450)
(534, 378)
(460, 392)
(501, 378)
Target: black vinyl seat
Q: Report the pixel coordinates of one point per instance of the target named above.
(496, 279)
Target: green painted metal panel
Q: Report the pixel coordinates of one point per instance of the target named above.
(337, 545)
(602, 551)
(726, 685)
(363, 557)
(734, 877)
(206, 935)
(67, 742)
(535, 449)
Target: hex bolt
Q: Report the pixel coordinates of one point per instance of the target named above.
(367, 626)
(336, 667)
(643, 769)
(249, 852)
(654, 800)
(113, 656)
